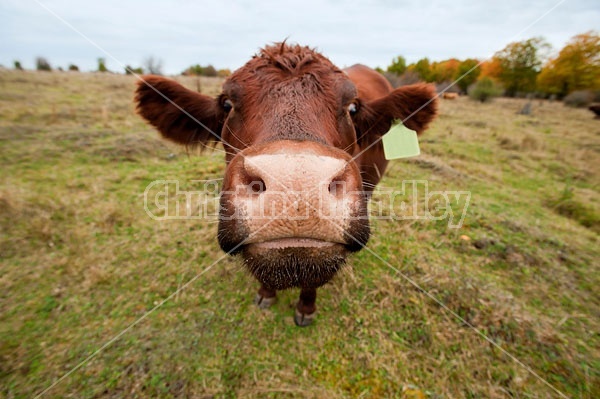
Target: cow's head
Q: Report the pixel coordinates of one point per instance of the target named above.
(293, 126)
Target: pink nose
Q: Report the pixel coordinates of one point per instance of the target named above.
(295, 172)
(296, 190)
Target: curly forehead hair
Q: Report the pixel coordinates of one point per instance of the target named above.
(289, 60)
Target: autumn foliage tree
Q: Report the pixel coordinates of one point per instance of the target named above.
(516, 69)
(577, 67)
(491, 68)
(464, 73)
(444, 71)
(520, 64)
(468, 71)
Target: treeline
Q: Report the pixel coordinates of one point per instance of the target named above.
(42, 64)
(520, 69)
(151, 65)
(209, 70)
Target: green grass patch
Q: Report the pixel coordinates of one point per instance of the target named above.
(81, 261)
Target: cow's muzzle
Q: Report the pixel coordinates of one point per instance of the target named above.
(294, 205)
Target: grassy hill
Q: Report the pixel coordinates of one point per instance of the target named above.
(81, 261)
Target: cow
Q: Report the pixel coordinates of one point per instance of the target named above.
(449, 96)
(303, 154)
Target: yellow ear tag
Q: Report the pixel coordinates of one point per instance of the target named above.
(400, 142)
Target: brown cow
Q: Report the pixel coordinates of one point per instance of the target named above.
(449, 96)
(303, 154)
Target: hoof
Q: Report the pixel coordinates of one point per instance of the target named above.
(303, 320)
(263, 302)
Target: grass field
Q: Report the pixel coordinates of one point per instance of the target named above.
(82, 261)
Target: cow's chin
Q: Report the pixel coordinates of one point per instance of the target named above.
(294, 262)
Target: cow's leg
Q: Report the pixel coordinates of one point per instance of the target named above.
(265, 297)
(306, 308)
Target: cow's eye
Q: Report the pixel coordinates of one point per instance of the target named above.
(352, 109)
(227, 105)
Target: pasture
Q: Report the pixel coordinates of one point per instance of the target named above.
(81, 261)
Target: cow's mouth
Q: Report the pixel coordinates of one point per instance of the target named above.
(293, 242)
(294, 262)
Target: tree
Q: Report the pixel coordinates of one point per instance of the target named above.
(444, 71)
(484, 90)
(42, 64)
(18, 65)
(209, 70)
(491, 68)
(398, 65)
(130, 70)
(552, 80)
(102, 65)
(577, 67)
(422, 69)
(193, 70)
(153, 65)
(521, 62)
(73, 67)
(467, 72)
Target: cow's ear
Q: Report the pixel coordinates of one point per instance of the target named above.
(180, 115)
(416, 105)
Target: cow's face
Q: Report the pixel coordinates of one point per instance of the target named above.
(289, 93)
(292, 124)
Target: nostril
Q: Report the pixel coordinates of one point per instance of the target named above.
(337, 187)
(248, 176)
(256, 185)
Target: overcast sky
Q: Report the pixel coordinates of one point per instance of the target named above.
(228, 33)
